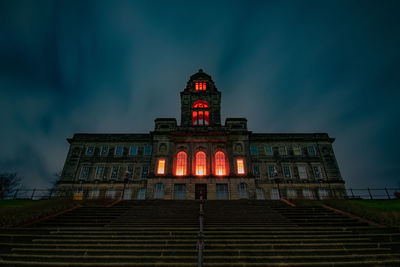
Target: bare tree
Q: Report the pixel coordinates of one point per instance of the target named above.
(8, 184)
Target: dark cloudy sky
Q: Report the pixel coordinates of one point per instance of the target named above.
(114, 66)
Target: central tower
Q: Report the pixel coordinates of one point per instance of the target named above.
(200, 102)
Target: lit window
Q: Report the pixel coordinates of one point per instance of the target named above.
(268, 150)
(201, 114)
(119, 150)
(200, 86)
(200, 163)
(181, 163)
(220, 163)
(240, 166)
(90, 150)
(161, 166)
(253, 150)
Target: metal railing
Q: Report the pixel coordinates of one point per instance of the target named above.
(200, 241)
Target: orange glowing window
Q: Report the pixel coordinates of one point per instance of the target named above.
(200, 114)
(200, 163)
(220, 164)
(181, 163)
(240, 166)
(200, 86)
(161, 166)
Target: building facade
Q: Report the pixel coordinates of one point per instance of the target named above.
(202, 157)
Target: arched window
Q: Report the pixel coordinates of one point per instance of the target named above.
(181, 164)
(200, 163)
(158, 191)
(220, 169)
(201, 114)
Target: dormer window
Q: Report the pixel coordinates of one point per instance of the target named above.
(200, 86)
(201, 114)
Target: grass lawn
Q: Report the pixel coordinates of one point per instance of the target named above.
(380, 204)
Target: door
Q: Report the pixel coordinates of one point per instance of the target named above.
(201, 189)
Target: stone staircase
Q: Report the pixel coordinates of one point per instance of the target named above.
(164, 233)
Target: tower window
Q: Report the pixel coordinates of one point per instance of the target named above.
(220, 169)
(200, 163)
(161, 166)
(240, 166)
(201, 114)
(200, 86)
(181, 163)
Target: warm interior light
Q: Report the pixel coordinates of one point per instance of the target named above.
(200, 163)
(161, 166)
(200, 114)
(200, 86)
(220, 164)
(240, 166)
(181, 161)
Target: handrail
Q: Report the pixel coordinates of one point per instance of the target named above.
(200, 242)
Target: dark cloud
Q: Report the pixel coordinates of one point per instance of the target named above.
(101, 66)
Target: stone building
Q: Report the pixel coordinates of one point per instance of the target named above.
(202, 156)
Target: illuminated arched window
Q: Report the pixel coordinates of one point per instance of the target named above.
(181, 163)
(200, 113)
(220, 169)
(200, 163)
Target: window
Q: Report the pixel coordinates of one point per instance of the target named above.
(127, 194)
(84, 172)
(132, 150)
(110, 193)
(200, 86)
(158, 191)
(297, 150)
(242, 191)
(240, 166)
(147, 150)
(275, 194)
(180, 191)
(322, 193)
(90, 150)
(99, 172)
(287, 171)
(260, 194)
(220, 163)
(181, 164)
(222, 191)
(161, 166)
(311, 151)
(272, 173)
(282, 151)
(114, 172)
(253, 150)
(94, 193)
(256, 170)
(200, 163)
(104, 150)
(130, 169)
(268, 150)
(145, 171)
(307, 193)
(317, 172)
(201, 114)
(302, 172)
(119, 150)
(291, 193)
(141, 195)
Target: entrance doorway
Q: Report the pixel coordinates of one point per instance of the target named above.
(201, 189)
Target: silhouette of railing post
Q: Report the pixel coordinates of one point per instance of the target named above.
(370, 195)
(33, 193)
(15, 194)
(387, 193)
